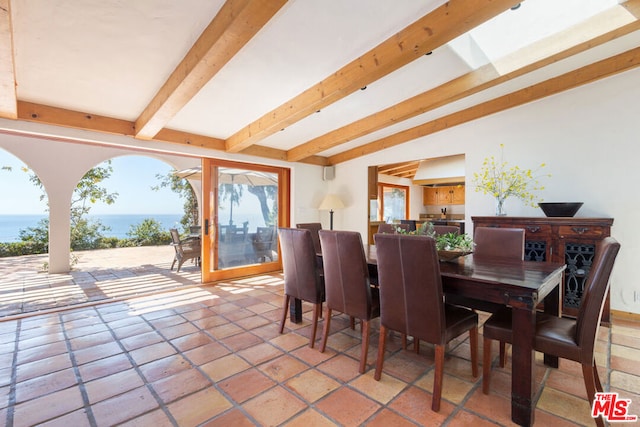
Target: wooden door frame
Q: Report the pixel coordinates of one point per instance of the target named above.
(209, 218)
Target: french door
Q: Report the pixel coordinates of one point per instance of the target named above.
(243, 206)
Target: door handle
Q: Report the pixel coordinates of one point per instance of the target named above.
(206, 226)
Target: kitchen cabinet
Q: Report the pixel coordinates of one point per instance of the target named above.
(445, 195)
(571, 241)
(429, 196)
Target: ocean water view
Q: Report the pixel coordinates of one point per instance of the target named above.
(10, 225)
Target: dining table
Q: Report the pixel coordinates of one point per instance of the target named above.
(520, 285)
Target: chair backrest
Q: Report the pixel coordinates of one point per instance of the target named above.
(301, 274)
(411, 296)
(385, 227)
(314, 227)
(175, 236)
(346, 275)
(445, 229)
(499, 242)
(410, 222)
(195, 229)
(594, 295)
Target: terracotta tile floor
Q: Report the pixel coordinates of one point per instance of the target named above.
(212, 355)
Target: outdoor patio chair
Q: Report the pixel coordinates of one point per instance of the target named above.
(264, 243)
(186, 249)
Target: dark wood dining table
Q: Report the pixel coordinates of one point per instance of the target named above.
(522, 285)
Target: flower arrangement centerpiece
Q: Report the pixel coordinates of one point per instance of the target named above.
(501, 181)
(449, 245)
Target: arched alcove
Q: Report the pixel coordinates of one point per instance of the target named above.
(24, 203)
(135, 180)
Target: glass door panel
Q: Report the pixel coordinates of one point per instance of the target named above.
(245, 203)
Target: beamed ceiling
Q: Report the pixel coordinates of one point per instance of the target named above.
(310, 81)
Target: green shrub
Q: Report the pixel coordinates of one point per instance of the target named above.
(149, 232)
(22, 248)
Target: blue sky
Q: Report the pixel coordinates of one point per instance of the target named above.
(132, 177)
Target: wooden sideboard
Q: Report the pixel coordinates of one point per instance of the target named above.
(567, 240)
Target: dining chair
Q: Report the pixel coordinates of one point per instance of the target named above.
(186, 249)
(302, 276)
(572, 339)
(348, 290)
(446, 229)
(410, 222)
(499, 242)
(314, 227)
(385, 227)
(412, 302)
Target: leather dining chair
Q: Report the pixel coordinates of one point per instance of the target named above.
(572, 339)
(412, 302)
(499, 242)
(347, 285)
(446, 229)
(314, 227)
(387, 228)
(493, 242)
(302, 276)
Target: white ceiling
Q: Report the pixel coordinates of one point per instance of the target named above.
(111, 57)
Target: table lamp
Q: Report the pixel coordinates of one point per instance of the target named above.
(330, 203)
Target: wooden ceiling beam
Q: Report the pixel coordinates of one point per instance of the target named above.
(426, 34)
(235, 24)
(540, 54)
(38, 113)
(8, 98)
(590, 73)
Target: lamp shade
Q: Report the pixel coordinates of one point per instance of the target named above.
(331, 202)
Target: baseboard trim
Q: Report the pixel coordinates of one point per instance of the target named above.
(625, 315)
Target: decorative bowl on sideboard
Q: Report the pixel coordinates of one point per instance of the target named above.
(564, 209)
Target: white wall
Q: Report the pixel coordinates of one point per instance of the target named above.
(589, 138)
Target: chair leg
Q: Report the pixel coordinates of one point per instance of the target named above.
(503, 354)
(325, 333)
(437, 379)
(173, 263)
(473, 347)
(382, 343)
(486, 365)
(284, 312)
(416, 345)
(365, 345)
(597, 378)
(316, 315)
(590, 373)
(352, 322)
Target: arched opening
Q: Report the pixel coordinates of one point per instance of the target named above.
(133, 204)
(24, 206)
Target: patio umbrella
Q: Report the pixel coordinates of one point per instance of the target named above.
(233, 176)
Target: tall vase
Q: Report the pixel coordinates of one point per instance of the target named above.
(500, 210)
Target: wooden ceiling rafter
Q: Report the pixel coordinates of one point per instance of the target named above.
(587, 74)
(402, 170)
(8, 96)
(230, 30)
(56, 116)
(471, 83)
(436, 28)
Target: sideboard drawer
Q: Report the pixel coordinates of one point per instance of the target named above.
(565, 231)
